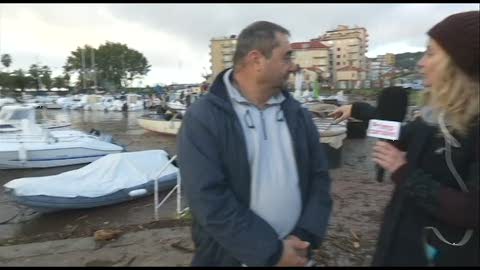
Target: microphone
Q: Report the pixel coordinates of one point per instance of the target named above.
(392, 105)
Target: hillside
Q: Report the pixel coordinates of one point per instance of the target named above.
(407, 60)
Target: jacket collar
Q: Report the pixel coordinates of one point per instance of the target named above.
(219, 96)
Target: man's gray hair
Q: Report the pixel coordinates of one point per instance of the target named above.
(261, 36)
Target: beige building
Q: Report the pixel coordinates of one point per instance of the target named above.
(221, 54)
(311, 54)
(312, 58)
(348, 47)
(350, 77)
(387, 59)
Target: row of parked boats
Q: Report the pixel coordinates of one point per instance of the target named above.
(168, 120)
(90, 102)
(113, 175)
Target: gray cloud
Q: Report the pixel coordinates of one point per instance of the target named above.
(198, 23)
(191, 26)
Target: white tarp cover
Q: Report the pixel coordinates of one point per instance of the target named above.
(332, 135)
(104, 176)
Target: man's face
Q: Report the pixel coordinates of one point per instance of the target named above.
(276, 70)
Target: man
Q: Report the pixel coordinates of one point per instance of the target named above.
(252, 166)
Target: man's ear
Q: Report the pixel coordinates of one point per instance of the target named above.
(256, 58)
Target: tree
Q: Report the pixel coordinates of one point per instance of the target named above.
(20, 80)
(115, 64)
(6, 60)
(60, 82)
(66, 79)
(46, 77)
(34, 72)
(408, 60)
(5, 80)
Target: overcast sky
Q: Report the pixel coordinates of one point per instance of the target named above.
(175, 37)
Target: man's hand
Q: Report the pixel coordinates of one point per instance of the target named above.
(301, 252)
(342, 113)
(294, 252)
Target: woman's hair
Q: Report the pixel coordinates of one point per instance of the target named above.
(457, 94)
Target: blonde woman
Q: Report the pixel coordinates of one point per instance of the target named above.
(432, 218)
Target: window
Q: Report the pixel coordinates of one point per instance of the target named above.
(338, 56)
(338, 49)
(344, 56)
(338, 63)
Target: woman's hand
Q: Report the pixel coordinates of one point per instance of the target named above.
(342, 113)
(388, 156)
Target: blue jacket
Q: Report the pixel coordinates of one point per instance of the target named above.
(216, 178)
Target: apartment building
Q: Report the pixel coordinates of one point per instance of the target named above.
(340, 50)
(221, 53)
(350, 77)
(313, 58)
(387, 59)
(348, 47)
(380, 65)
(311, 54)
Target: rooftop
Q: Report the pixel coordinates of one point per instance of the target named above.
(308, 45)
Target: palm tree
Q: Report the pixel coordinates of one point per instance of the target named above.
(6, 60)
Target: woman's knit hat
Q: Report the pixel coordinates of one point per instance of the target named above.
(458, 35)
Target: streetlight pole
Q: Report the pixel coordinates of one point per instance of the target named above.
(94, 70)
(82, 50)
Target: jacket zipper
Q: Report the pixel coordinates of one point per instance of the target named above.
(263, 125)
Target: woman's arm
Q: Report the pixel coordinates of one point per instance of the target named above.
(452, 206)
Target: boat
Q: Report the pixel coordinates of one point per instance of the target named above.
(90, 102)
(161, 123)
(135, 102)
(12, 115)
(33, 146)
(109, 180)
(105, 103)
(177, 105)
(128, 102)
(7, 101)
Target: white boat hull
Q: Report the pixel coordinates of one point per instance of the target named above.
(161, 126)
(51, 158)
(53, 106)
(63, 147)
